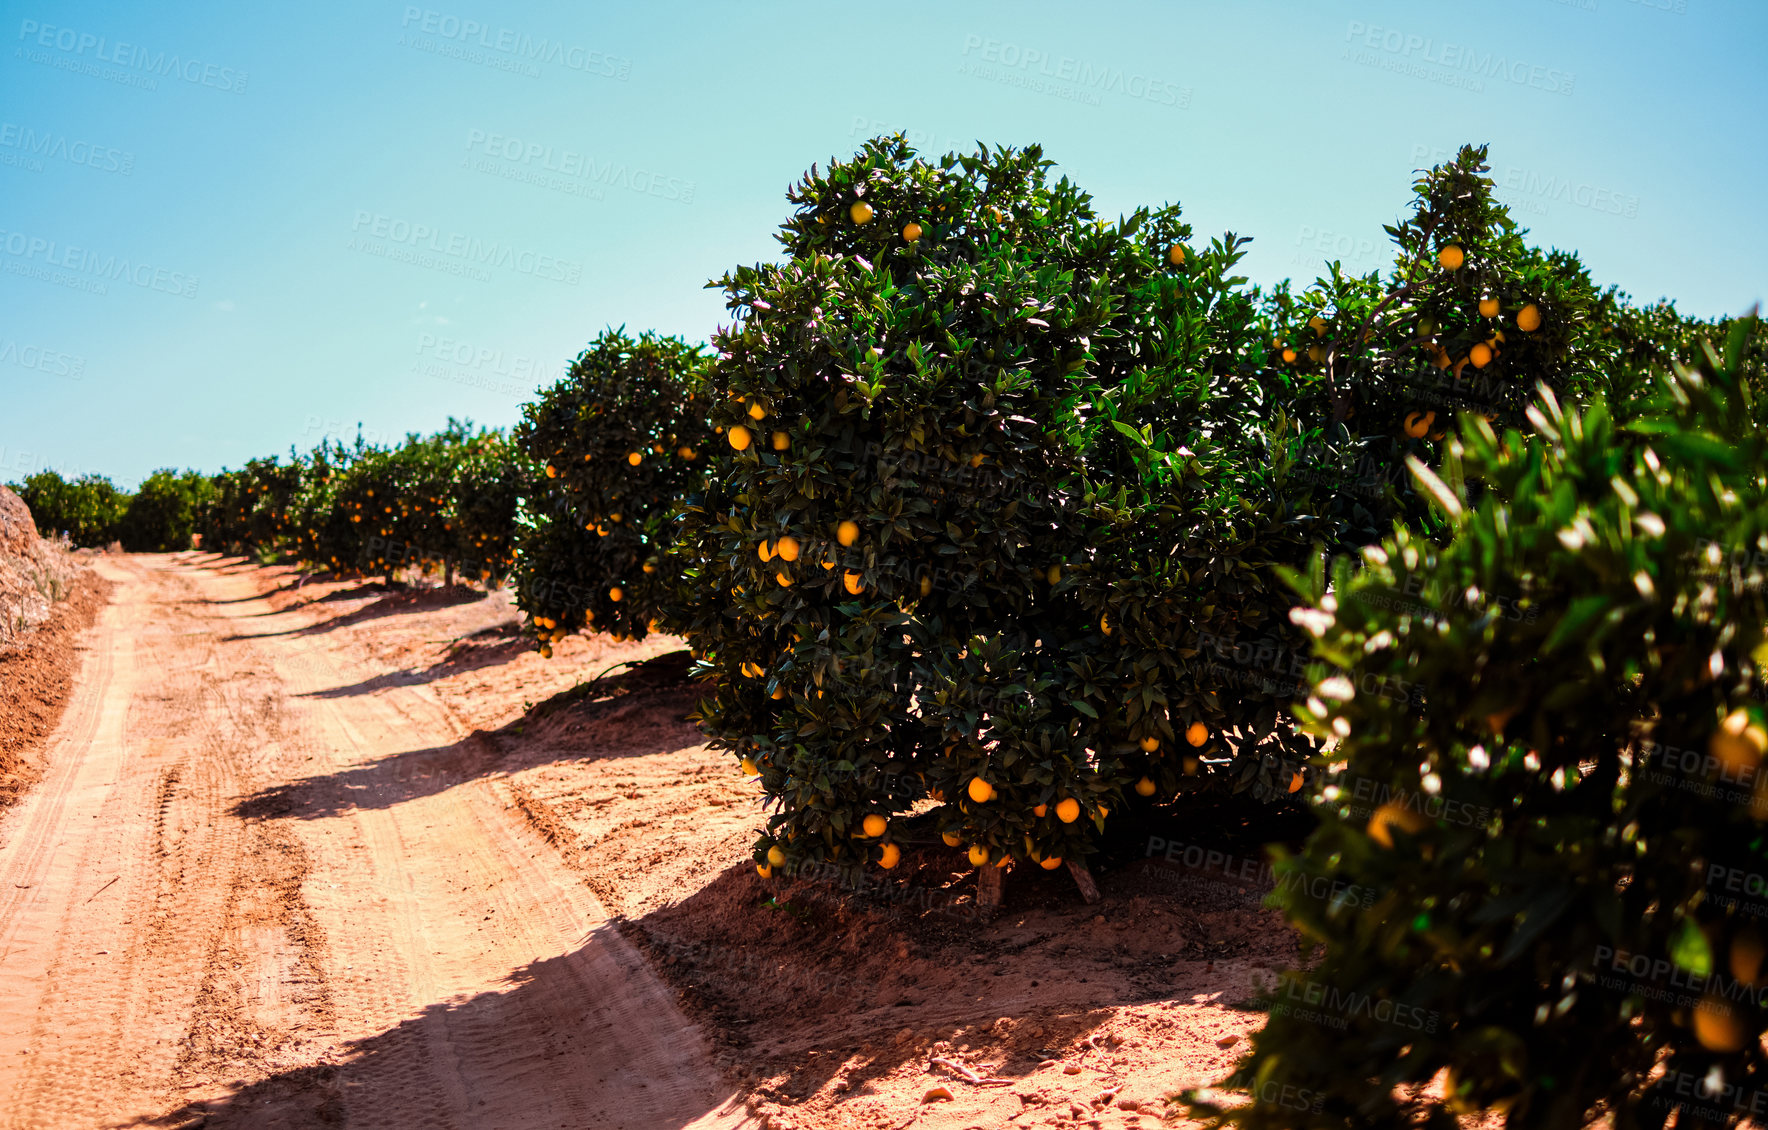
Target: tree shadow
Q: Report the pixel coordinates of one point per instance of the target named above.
(554, 1047)
(488, 647)
(396, 602)
(642, 700)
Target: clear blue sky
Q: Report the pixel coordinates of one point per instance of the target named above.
(228, 228)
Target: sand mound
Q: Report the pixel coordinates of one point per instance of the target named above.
(17, 532)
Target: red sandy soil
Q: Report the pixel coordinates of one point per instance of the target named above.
(37, 672)
(335, 778)
(827, 1003)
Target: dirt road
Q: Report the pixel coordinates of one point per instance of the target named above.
(259, 889)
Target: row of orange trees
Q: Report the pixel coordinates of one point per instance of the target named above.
(1019, 514)
(443, 504)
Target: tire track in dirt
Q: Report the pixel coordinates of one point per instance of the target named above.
(324, 911)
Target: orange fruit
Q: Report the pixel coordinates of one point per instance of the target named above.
(552, 472)
(1488, 307)
(1528, 319)
(753, 670)
(1150, 744)
(775, 856)
(1747, 953)
(926, 585)
(615, 595)
(1104, 625)
(764, 551)
(781, 441)
(1295, 783)
(1145, 787)
(1050, 863)
(1389, 815)
(778, 694)
(1176, 255)
(740, 438)
(1738, 743)
(750, 768)
(911, 231)
(874, 825)
(889, 857)
(756, 411)
(764, 870)
(978, 855)
(1318, 325)
(1289, 356)
(860, 212)
(1718, 1026)
(1104, 812)
(635, 458)
(787, 548)
(1417, 423)
(1068, 810)
(1041, 811)
(1480, 355)
(952, 839)
(648, 567)
(1197, 733)
(847, 533)
(785, 581)
(684, 451)
(1451, 257)
(980, 790)
(852, 583)
(1053, 574)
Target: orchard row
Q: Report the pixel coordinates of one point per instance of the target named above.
(988, 517)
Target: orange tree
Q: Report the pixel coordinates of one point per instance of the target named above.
(1566, 837)
(88, 509)
(937, 554)
(251, 509)
(165, 511)
(490, 478)
(1469, 319)
(619, 441)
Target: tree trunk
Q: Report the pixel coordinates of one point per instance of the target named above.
(988, 890)
(1089, 890)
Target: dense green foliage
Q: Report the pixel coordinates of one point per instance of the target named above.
(622, 438)
(89, 509)
(1557, 831)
